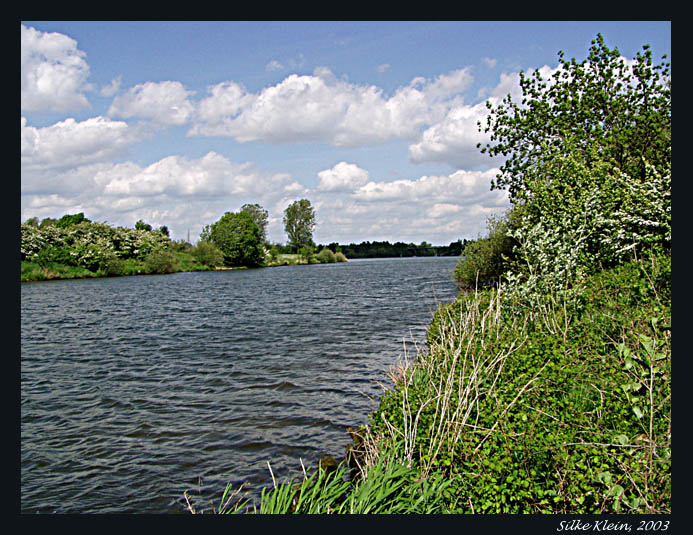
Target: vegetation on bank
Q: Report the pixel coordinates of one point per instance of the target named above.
(546, 386)
(75, 247)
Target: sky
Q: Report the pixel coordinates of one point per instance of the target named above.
(177, 123)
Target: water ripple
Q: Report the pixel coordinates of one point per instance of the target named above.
(136, 389)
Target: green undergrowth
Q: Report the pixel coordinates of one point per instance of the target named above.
(158, 262)
(554, 411)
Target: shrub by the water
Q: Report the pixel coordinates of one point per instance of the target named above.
(326, 256)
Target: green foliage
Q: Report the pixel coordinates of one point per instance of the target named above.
(598, 106)
(299, 223)
(141, 225)
(208, 254)
(237, 236)
(260, 217)
(545, 411)
(326, 256)
(71, 219)
(589, 165)
(485, 260)
(339, 257)
(161, 261)
(385, 488)
(307, 254)
(82, 249)
(32, 271)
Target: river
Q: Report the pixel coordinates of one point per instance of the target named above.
(137, 389)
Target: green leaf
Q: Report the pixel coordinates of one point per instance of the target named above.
(621, 439)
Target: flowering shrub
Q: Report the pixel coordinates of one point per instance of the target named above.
(87, 244)
(583, 218)
(644, 214)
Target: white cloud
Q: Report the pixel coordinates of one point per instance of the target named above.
(460, 186)
(344, 177)
(112, 88)
(274, 65)
(438, 209)
(383, 68)
(443, 209)
(454, 139)
(320, 107)
(177, 176)
(54, 72)
(489, 62)
(69, 144)
(164, 103)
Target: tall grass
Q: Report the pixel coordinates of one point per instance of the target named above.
(383, 488)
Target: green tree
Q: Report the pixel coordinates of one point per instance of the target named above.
(260, 217)
(69, 220)
(600, 107)
(299, 223)
(485, 260)
(208, 254)
(588, 161)
(141, 225)
(238, 238)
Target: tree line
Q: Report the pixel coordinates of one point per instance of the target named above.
(385, 249)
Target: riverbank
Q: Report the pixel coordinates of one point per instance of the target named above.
(518, 411)
(173, 262)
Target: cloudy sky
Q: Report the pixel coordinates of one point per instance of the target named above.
(177, 123)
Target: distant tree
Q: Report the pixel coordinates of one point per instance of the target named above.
(238, 238)
(33, 221)
(326, 256)
(47, 222)
(69, 220)
(206, 234)
(260, 217)
(164, 230)
(141, 225)
(299, 223)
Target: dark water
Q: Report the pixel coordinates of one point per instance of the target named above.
(136, 389)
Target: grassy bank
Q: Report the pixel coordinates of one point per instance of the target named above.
(512, 411)
(166, 261)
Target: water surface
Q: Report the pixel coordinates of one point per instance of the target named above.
(136, 389)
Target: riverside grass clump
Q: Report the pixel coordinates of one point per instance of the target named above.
(386, 487)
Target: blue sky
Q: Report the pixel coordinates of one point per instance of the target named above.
(177, 123)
